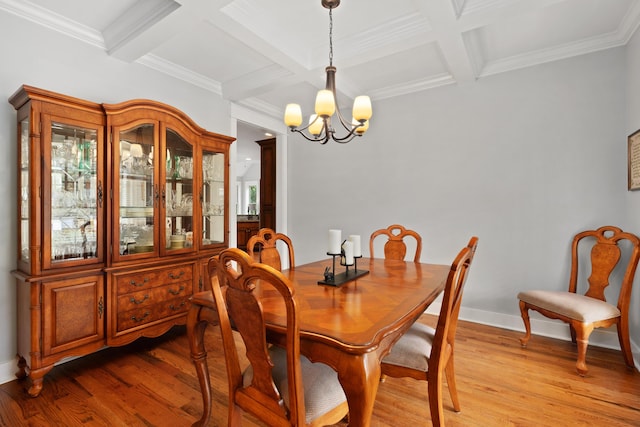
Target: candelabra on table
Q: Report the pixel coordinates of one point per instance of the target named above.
(333, 279)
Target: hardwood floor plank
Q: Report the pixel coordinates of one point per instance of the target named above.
(152, 382)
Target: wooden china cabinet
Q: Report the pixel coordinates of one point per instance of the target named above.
(119, 209)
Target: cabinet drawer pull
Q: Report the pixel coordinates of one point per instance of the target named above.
(140, 301)
(140, 319)
(176, 276)
(172, 292)
(173, 307)
(134, 283)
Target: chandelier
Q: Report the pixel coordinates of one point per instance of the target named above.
(320, 127)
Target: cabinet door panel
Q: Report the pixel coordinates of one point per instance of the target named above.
(73, 185)
(136, 190)
(73, 313)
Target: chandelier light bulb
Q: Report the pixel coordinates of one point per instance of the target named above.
(293, 115)
(315, 125)
(360, 129)
(362, 108)
(325, 103)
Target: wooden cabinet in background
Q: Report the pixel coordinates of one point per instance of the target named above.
(246, 229)
(119, 207)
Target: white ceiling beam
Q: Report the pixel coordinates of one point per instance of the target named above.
(149, 23)
(443, 19)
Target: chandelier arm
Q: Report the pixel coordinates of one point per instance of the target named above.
(322, 140)
(348, 137)
(345, 125)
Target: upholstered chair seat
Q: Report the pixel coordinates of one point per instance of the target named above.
(575, 306)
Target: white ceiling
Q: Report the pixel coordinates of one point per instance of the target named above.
(263, 54)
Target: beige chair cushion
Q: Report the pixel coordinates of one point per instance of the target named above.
(573, 306)
(413, 349)
(322, 390)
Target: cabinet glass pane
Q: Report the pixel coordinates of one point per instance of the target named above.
(73, 192)
(179, 192)
(137, 189)
(213, 198)
(25, 196)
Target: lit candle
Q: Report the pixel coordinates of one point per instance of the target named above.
(348, 252)
(357, 248)
(335, 237)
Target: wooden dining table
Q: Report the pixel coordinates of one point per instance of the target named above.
(350, 327)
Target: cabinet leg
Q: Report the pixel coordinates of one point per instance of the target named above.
(37, 380)
(22, 368)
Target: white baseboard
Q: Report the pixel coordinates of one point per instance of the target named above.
(8, 371)
(601, 337)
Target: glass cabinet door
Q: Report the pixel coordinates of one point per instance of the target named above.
(75, 192)
(25, 193)
(213, 198)
(137, 190)
(178, 193)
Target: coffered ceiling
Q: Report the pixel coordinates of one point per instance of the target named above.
(263, 54)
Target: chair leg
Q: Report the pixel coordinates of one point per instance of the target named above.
(572, 331)
(434, 386)
(451, 383)
(524, 312)
(583, 330)
(625, 344)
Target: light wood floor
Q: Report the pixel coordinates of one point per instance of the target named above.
(152, 383)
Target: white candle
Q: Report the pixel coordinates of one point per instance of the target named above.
(348, 252)
(335, 238)
(357, 248)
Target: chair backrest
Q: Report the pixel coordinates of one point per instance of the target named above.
(444, 338)
(237, 296)
(262, 248)
(395, 247)
(605, 256)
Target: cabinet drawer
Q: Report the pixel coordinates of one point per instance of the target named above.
(147, 314)
(148, 297)
(144, 280)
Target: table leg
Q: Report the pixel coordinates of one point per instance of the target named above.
(197, 320)
(359, 378)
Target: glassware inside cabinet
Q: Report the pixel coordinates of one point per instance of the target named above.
(178, 192)
(137, 189)
(25, 196)
(213, 198)
(74, 192)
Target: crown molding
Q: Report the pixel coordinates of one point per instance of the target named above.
(261, 106)
(46, 18)
(412, 86)
(179, 72)
(556, 53)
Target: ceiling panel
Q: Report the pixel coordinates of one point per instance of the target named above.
(560, 24)
(263, 55)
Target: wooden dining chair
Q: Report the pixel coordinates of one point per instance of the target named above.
(584, 312)
(424, 353)
(262, 248)
(280, 387)
(395, 247)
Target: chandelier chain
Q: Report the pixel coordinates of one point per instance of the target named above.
(330, 37)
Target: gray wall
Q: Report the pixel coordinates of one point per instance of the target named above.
(523, 160)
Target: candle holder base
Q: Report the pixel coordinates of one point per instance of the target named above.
(340, 279)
